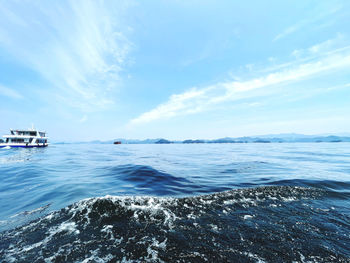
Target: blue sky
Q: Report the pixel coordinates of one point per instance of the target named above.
(84, 70)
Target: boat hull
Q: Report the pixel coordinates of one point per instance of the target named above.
(3, 145)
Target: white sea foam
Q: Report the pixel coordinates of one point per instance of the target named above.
(245, 217)
(36, 210)
(95, 258)
(95, 216)
(68, 227)
(152, 250)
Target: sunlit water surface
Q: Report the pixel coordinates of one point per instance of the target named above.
(176, 203)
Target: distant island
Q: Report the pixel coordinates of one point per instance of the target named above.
(277, 138)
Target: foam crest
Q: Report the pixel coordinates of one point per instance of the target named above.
(212, 228)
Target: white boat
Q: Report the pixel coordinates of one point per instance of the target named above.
(25, 138)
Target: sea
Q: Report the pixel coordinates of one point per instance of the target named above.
(235, 202)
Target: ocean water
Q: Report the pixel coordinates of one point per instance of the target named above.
(176, 203)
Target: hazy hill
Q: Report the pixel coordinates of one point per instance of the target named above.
(272, 138)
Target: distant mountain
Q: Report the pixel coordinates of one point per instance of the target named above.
(223, 140)
(273, 138)
(163, 141)
(193, 141)
(341, 134)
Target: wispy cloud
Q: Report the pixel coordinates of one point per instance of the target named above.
(306, 22)
(289, 30)
(10, 93)
(185, 103)
(198, 100)
(320, 48)
(83, 119)
(78, 47)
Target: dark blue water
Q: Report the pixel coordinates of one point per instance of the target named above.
(176, 203)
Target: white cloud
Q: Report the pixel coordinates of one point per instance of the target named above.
(320, 48)
(288, 31)
(185, 102)
(11, 93)
(78, 47)
(326, 45)
(313, 19)
(198, 100)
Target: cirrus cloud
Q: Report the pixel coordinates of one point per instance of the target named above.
(198, 100)
(79, 48)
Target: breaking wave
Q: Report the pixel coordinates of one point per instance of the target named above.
(271, 223)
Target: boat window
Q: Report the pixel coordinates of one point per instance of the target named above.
(16, 140)
(32, 133)
(7, 140)
(30, 140)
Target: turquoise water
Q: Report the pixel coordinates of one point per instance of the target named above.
(177, 202)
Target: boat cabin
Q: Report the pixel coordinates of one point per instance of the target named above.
(25, 138)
